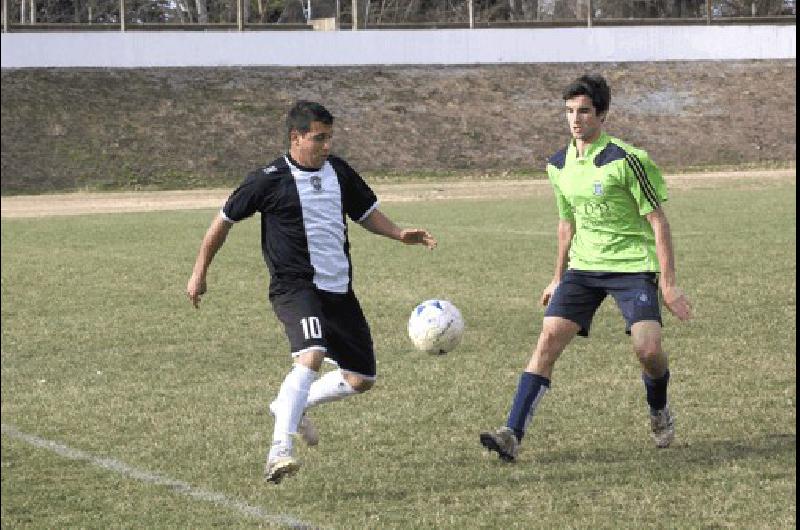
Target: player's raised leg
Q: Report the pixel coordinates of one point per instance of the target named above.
(333, 386)
(646, 337)
(534, 382)
(336, 385)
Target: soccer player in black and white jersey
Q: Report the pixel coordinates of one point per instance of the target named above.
(304, 198)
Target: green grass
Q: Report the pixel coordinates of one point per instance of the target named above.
(102, 352)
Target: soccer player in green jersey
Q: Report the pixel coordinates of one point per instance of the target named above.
(613, 238)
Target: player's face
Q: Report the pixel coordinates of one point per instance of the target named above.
(584, 122)
(312, 148)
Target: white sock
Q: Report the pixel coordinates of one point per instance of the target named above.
(330, 387)
(289, 405)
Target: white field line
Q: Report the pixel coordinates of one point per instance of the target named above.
(177, 486)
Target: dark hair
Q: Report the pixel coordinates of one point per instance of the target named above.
(303, 113)
(595, 87)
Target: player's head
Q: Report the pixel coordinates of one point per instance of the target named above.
(303, 113)
(310, 129)
(594, 87)
(586, 100)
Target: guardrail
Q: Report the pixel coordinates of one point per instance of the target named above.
(346, 26)
(337, 23)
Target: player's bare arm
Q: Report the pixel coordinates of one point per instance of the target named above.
(674, 298)
(565, 232)
(377, 223)
(212, 242)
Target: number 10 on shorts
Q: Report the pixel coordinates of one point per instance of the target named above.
(311, 328)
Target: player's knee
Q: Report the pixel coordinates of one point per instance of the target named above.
(363, 385)
(648, 351)
(359, 383)
(550, 344)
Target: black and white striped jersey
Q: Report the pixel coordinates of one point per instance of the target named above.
(303, 225)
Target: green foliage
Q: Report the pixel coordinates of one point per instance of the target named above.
(102, 352)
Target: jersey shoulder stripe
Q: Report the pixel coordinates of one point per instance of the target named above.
(610, 153)
(559, 159)
(275, 170)
(644, 182)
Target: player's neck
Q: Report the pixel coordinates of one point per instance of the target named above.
(582, 145)
(301, 162)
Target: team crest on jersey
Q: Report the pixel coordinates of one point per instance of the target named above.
(316, 182)
(598, 187)
(270, 169)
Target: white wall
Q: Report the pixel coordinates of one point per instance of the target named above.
(460, 46)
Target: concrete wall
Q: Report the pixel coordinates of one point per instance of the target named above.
(407, 47)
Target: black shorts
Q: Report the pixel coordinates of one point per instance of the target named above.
(580, 293)
(332, 322)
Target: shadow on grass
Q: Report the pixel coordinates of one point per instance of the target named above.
(698, 452)
(616, 465)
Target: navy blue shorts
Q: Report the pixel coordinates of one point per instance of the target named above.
(329, 321)
(580, 293)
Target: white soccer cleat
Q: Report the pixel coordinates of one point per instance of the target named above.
(280, 465)
(662, 425)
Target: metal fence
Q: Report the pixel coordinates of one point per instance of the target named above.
(204, 15)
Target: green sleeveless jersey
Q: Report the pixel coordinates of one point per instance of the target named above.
(606, 194)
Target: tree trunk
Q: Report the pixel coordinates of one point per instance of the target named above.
(202, 11)
(530, 9)
(292, 13)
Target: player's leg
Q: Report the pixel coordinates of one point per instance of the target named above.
(335, 385)
(569, 313)
(534, 382)
(292, 398)
(556, 333)
(637, 297)
(301, 315)
(646, 337)
(350, 346)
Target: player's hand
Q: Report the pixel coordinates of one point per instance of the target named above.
(195, 289)
(417, 236)
(677, 302)
(547, 294)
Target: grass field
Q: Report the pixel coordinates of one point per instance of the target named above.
(123, 407)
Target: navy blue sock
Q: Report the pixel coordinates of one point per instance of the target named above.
(530, 390)
(656, 391)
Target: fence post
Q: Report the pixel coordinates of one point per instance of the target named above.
(355, 15)
(240, 15)
(709, 10)
(471, 15)
(5, 16)
(589, 15)
(122, 15)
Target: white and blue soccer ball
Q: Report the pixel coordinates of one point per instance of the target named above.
(435, 326)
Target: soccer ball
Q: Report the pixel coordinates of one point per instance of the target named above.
(435, 326)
